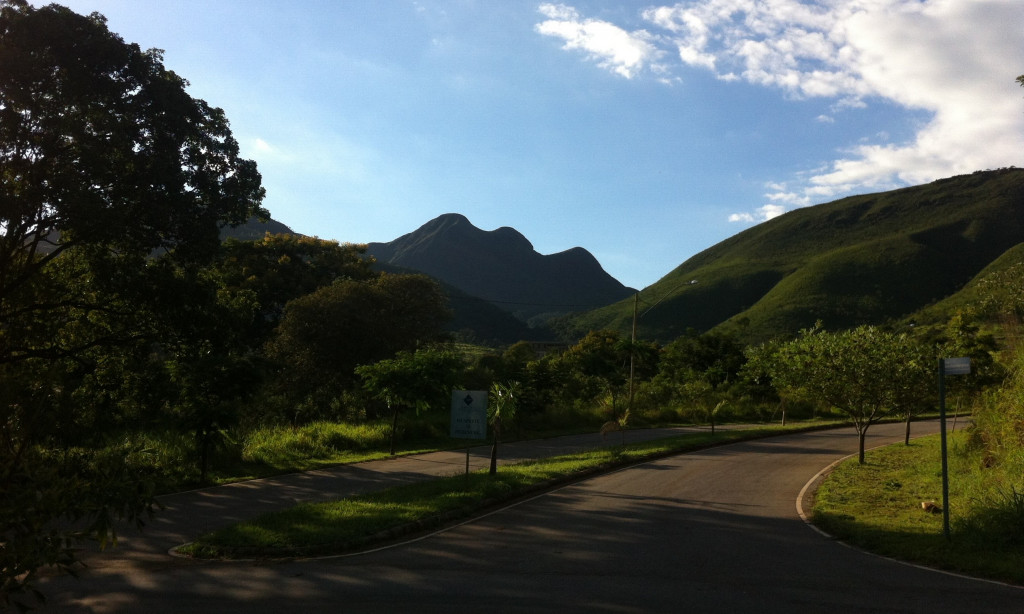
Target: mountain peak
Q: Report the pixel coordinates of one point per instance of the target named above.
(446, 220)
(502, 266)
(456, 229)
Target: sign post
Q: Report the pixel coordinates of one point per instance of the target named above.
(469, 417)
(947, 366)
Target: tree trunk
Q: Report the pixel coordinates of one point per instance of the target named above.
(860, 435)
(494, 447)
(906, 438)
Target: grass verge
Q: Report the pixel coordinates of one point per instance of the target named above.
(356, 522)
(877, 507)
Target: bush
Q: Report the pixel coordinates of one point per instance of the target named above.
(996, 452)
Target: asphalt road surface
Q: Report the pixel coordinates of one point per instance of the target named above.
(711, 531)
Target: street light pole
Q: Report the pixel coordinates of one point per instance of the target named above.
(632, 345)
(632, 351)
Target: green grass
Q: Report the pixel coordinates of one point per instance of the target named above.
(355, 522)
(877, 507)
(275, 450)
(314, 443)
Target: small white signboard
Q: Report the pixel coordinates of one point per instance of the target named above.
(469, 414)
(956, 366)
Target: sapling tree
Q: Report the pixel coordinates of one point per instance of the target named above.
(412, 380)
(502, 407)
(863, 372)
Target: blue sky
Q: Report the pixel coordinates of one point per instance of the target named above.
(642, 132)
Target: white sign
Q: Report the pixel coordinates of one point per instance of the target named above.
(469, 414)
(956, 366)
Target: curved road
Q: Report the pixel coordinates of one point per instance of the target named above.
(711, 531)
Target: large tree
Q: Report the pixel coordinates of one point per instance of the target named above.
(104, 153)
(866, 373)
(107, 166)
(280, 268)
(323, 336)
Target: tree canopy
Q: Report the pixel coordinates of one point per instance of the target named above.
(113, 181)
(323, 336)
(103, 151)
(417, 380)
(866, 373)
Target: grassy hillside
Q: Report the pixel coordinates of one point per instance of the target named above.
(863, 259)
(975, 294)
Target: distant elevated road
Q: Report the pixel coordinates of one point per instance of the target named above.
(711, 531)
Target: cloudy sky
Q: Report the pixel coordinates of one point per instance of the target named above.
(644, 133)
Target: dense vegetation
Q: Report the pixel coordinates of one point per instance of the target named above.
(138, 353)
(882, 506)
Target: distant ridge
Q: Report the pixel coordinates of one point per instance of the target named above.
(253, 230)
(502, 267)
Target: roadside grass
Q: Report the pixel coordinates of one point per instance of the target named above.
(328, 443)
(273, 451)
(357, 522)
(877, 507)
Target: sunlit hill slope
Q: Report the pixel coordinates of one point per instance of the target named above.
(865, 259)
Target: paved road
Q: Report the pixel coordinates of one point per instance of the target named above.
(712, 531)
(189, 514)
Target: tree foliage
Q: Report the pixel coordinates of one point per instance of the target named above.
(602, 360)
(864, 372)
(280, 268)
(113, 180)
(323, 336)
(416, 380)
(504, 401)
(102, 149)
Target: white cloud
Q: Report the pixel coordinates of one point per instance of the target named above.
(771, 210)
(762, 214)
(954, 60)
(261, 146)
(622, 52)
(781, 199)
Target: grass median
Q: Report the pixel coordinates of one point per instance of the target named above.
(354, 523)
(878, 507)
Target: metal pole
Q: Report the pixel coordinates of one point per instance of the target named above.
(632, 349)
(942, 439)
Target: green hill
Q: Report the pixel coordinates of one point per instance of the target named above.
(987, 285)
(862, 259)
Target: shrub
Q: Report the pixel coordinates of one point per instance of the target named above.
(280, 446)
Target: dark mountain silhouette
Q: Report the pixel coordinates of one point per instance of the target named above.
(254, 230)
(501, 267)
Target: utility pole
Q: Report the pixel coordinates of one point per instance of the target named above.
(632, 351)
(632, 346)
